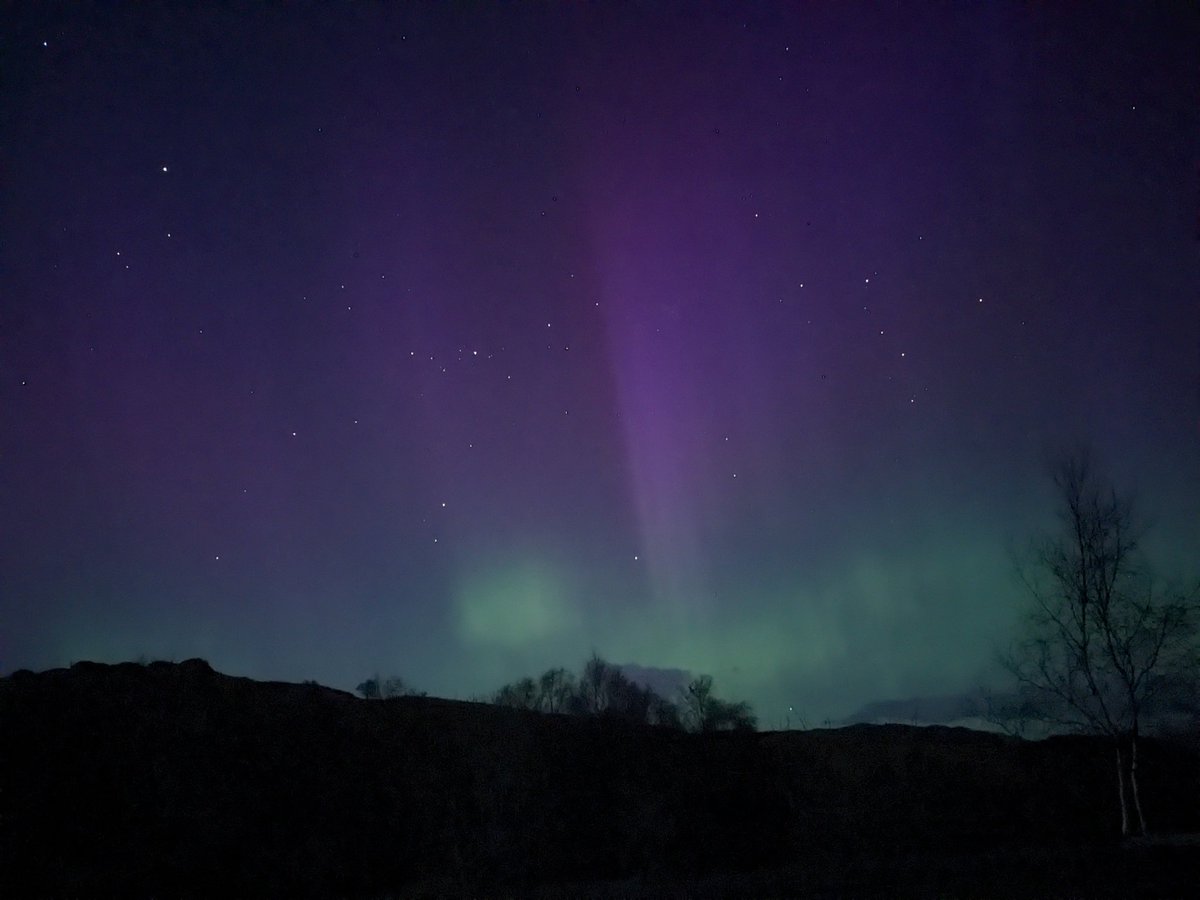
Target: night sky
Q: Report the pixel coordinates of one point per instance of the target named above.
(457, 341)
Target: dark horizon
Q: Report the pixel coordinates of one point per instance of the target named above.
(457, 343)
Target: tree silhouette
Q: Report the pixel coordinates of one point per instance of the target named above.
(663, 712)
(553, 692)
(592, 695)
(704, 711)
(603, 690)
(626, 699)
(555, 689)
(1101, 635)
(522, 694)
(376, 688)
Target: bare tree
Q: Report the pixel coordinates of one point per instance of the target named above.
(376, 688)
(627, 699)
(521, 694)
(395, 687)
(552, 692)
(1100, 635)
(697, 702)
(663, 712)
(555, 689)
(603, 690)
(369, 688)
(1012, 713)
(593, 695)
(704, 711)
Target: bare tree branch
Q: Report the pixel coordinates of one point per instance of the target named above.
(1099, 635)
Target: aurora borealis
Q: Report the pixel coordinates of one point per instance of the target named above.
(455, 342)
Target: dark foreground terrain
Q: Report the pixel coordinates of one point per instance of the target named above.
(175, 781)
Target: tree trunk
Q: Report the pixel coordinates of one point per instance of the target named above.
(1121, 792)
(1137, 799)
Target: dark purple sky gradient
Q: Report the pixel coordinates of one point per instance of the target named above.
(455, 342)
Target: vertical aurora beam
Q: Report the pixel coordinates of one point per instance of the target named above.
(663, 325)
(664, 438)
(668, 243)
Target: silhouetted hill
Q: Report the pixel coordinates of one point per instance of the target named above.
(176, 781)
(937, 710)
(1172, 708)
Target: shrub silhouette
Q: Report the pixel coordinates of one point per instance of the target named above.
(377, 688)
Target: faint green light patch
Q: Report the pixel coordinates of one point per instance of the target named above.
(515, 604)
(769, 638)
